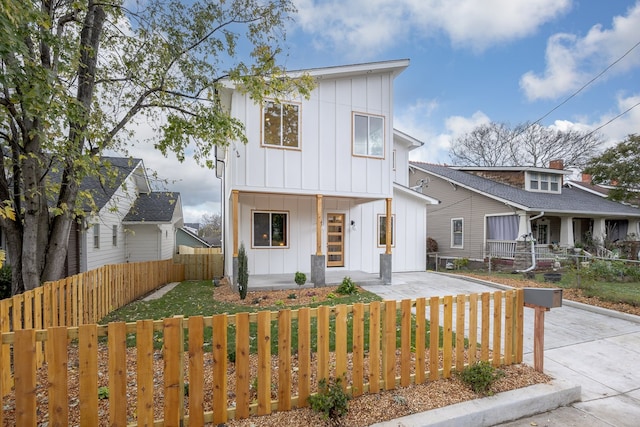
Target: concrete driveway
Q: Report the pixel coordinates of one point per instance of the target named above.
(596, 349)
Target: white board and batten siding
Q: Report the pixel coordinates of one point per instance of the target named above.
(324, 163)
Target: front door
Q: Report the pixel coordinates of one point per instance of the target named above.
(335, 240)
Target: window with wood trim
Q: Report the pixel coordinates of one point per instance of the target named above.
(382, 230)
(280, 125)
(368, 135)
(270, 229)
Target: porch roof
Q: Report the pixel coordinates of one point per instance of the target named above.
(570, 201)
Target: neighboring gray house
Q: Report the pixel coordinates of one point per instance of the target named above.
(186, 237)
(132, 223)
(491, 211)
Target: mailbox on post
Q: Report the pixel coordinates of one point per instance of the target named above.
(543, 297)
(541, 300)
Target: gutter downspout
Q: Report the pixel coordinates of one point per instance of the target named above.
(533, 246)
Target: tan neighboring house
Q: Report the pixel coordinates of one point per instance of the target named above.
(496, 211)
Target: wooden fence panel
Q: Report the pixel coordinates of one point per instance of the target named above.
(219, 345)
(484, 336)
(358, 350)
(323, 343)
(341, 343)
(144, 372)
(434, 338)
(6, 379)
(421, 330)
(117, 342)
(460, 311)
(405, 343)
(508, 328)
(173, 371)
(389, 345)
(196, 371)
(25, 377)
(242, 365)
(284, 360)
(304, 356)
(520, 325)
(447, 336)
(473, 327)
(88, 372)
(497, 327)
(374, 346)
(264, 363)
(57, 360)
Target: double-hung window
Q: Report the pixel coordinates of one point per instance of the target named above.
(270, 229)
(368, 135)
(457, 232)
(96, 236)
(281, 125)
(114, 235)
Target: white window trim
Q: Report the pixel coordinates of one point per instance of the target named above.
(114, 236)
(96, 236)
(353, 135)
(393, 230)
(288, 216)
(281, 146)
(461, 245)
(542, 176)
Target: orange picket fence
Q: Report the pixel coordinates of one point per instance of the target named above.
(212, 369)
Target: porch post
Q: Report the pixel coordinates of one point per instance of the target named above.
(566, 232)
(523, 225)
(634, 227)
(385, 258)
(318, 261)
(234, 210)
(522, 258)
(599, 231)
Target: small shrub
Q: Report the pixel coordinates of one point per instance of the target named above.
(347, 287)
(480, 376)
(300, 278)
(459, 263)
(331, 295)
(432, 245)
(280, 303)
(243, 272)
(103, 393)
(292, 296)
(331, 400)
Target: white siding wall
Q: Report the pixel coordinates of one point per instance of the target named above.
(142, 242)
(401, 174)
(324, 163)
(111, 214)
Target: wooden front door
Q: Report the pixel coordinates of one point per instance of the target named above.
(335, 240)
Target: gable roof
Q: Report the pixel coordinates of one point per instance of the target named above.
(570, 201)
(155, 207)
(190, 234)
(102, 186)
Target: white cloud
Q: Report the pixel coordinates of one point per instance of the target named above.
(572, 61)
(362, 27)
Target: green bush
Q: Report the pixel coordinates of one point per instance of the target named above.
(5, 282)
(331, 400)
(347, 287)
(480, 376)
(103, 393)
(300, 278)
(243, 272)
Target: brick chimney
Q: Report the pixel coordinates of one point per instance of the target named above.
(556, 164)
(586, 178)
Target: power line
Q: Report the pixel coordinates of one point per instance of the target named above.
(615, 118)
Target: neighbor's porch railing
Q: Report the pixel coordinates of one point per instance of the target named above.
(506, 249)
(398, 348)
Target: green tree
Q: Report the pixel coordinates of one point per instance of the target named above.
(76, 75)
(527, 144)
(619, 166)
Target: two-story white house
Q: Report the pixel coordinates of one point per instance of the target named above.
(323, 182)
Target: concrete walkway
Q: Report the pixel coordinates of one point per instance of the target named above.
(595, 349)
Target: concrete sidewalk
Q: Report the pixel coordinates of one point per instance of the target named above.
(595, 349)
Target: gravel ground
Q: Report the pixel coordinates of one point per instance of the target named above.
(363, 410)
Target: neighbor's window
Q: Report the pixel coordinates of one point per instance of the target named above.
(114, 235)
(554, 183)
(281, 125)
(368, 135)
(382, 230)
(270, 229)
(96, 236)
(457, 232)
(544, 182)
(533, 181)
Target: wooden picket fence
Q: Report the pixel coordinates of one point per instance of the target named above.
(201, 266)
(402, 346)
(80, 299)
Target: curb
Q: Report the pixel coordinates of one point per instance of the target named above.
(489, 411)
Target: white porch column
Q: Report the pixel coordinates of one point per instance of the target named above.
(634, 227)
(566, 232)
(599, 231)
(523, 225)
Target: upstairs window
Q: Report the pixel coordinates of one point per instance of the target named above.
(96, 236)
(114, 235)
(368, 135)
(543, 182)
(270, 229)
(280, 125)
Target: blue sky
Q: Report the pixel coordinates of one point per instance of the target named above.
(472, 62)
